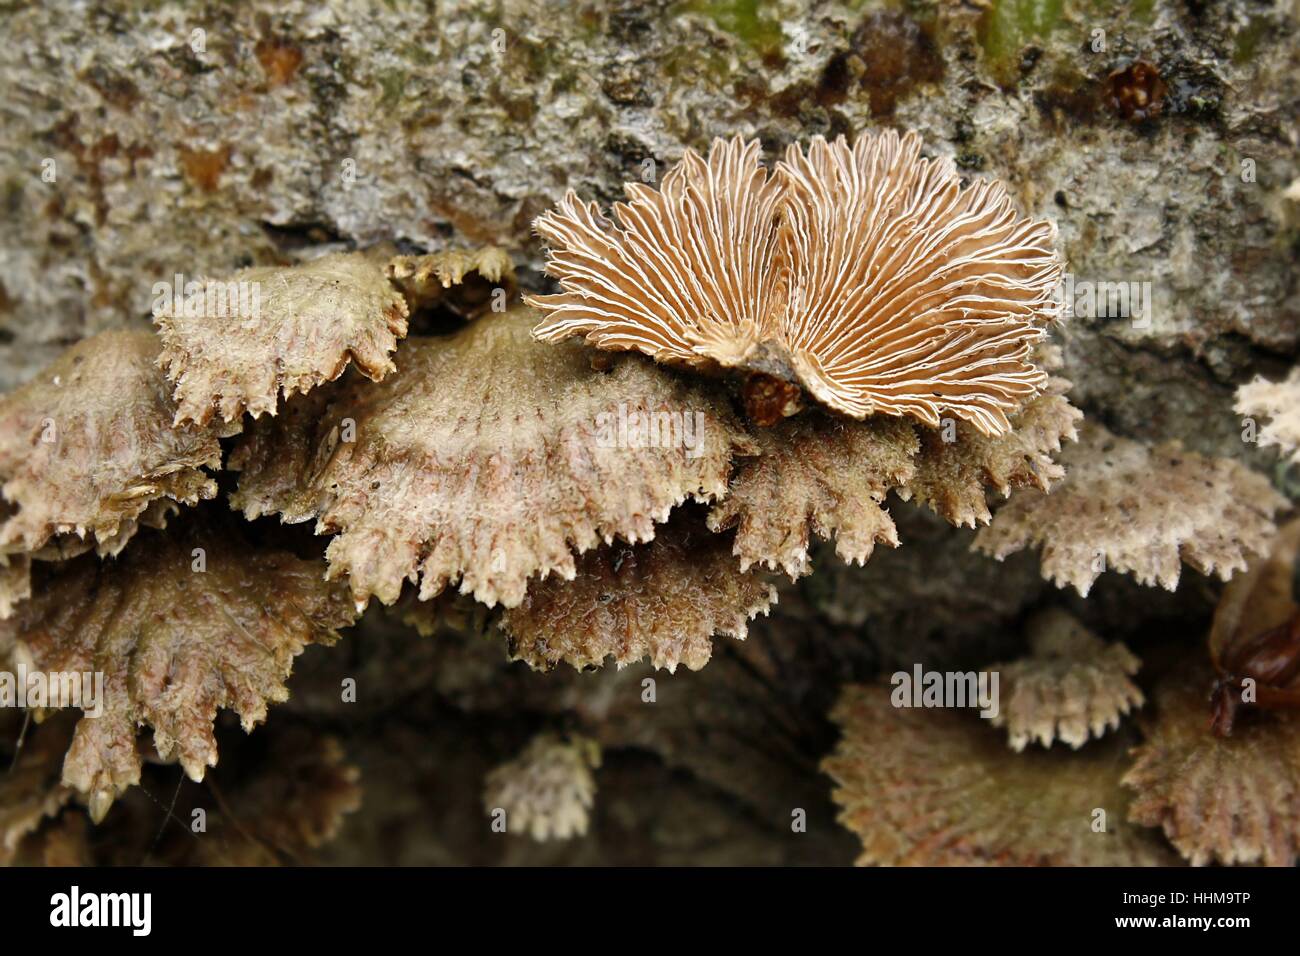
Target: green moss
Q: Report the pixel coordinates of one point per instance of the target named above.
(392, 85)
(745, 19)
(1009, 25)
(1246, 42)
(1143, 11)
(1110, 14)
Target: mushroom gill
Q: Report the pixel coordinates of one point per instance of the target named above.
(867, 275)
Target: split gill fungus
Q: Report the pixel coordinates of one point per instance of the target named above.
(868, 276)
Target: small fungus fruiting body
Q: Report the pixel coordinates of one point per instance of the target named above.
(1272, 413)
(242, 344)
(486, 460)
(1140, 510)
(865, 275)
(1071, 687)
(1137, 92)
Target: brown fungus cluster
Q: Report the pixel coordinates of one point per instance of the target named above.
(663, 600)
(192, 621)
(941, 788)
(741, 362)
(1126, 507)
(487, 460)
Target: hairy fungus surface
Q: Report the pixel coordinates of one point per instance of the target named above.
(289, 330)
(1138, 510)
(824, 475)
(663, 600)
(87, 448)
(488, 459)
(955, 465)
(547, 791)
(939, 788)
(1070, 687)
(817, 474)
(1226, 799)
(184, 624)
(425, 279)
(866, 274)
(1280, 403)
